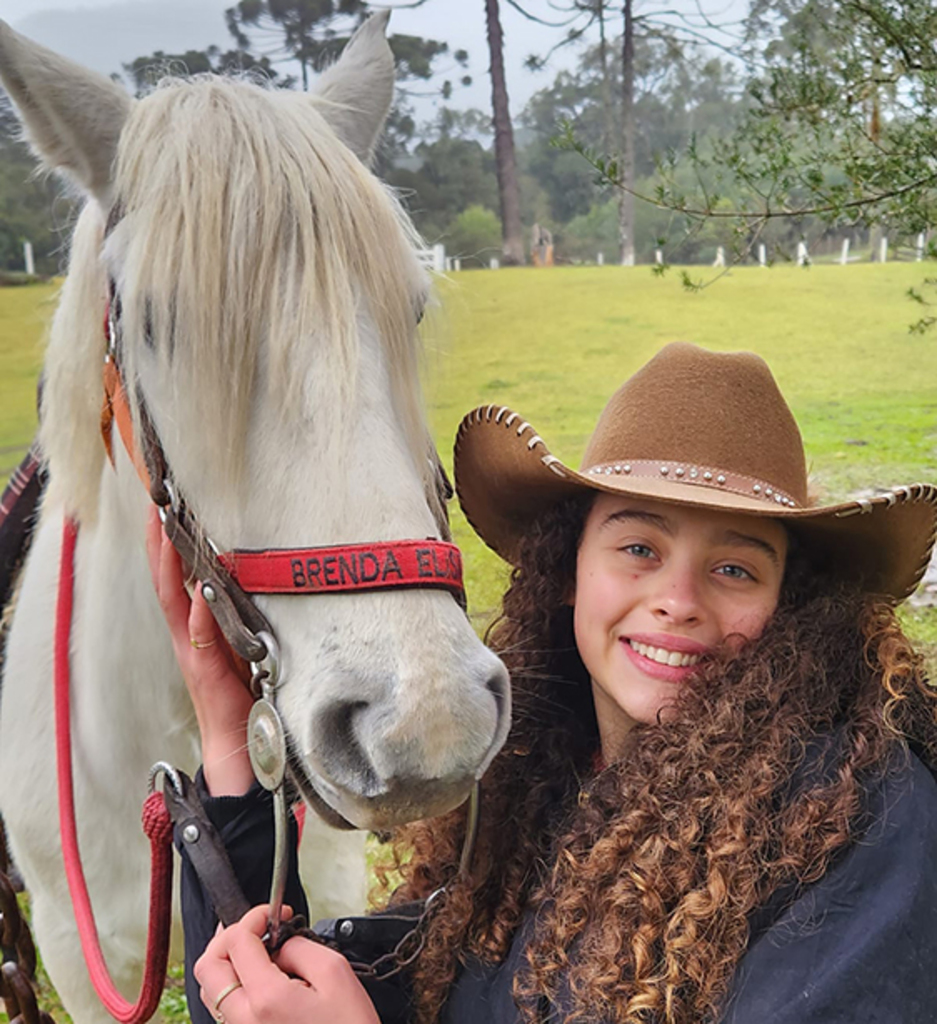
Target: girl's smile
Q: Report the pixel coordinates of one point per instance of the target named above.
(670, 658)
(658, 587)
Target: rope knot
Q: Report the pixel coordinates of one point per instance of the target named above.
(156, 821)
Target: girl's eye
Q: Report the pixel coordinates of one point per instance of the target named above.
(734, 572)
(638, 550)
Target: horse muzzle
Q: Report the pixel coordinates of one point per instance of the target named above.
(378, 766)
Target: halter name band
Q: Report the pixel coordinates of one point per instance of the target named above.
(348, 567)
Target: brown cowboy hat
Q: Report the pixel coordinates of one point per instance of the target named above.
(707, 429)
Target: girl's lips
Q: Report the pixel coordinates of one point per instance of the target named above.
(671, 643)
(657, 670)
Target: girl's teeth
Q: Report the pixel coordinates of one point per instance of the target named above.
(662, 656)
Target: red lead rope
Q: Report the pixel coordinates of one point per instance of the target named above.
(156, 825)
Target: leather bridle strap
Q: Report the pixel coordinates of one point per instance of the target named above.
(148, 459)
(236, 614)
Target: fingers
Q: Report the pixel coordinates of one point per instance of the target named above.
(166, 571)
(202, 628)
(308, 982)
(318, 966)
(154, 534)
(238, 953)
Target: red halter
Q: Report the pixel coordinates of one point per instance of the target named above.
(333, 570)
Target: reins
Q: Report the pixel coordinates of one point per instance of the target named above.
(227, 580)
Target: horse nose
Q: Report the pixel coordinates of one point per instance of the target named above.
(499, 686)
(370, 747)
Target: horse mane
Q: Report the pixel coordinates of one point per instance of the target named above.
(251, 242)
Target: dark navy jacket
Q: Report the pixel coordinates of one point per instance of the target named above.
(857, 947)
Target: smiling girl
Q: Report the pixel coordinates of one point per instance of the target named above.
(716, 802)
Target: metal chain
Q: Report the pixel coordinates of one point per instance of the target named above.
(389, 964)
(18, 972)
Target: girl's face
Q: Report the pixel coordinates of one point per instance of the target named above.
(659, 586)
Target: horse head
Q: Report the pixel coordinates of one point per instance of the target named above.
(268, 293)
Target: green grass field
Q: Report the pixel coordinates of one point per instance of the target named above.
(554, 345)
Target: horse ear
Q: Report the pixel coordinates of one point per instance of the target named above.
(359, 87)
(73, 117)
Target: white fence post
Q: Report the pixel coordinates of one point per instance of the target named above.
(802, 256)
(457, 264)
(439, 257)
(494, 263)
(28, 258)
(658, 257)
(844, 255)
(600, 259)
(762, 255)
(720, 260)
(919, 248)
(883, 251)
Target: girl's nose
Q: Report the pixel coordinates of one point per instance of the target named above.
(678, 597)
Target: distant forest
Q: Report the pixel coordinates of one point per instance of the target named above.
(823, 139)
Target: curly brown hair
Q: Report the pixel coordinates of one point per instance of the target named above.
(645, 874)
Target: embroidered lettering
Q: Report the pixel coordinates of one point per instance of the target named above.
(391, 565)
(422, 562)
(299, 577)
(313, 568)
(349, 567)
(369, 567)
(328, 570)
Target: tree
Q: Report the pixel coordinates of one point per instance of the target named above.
(505, 159)
(680, 91)
(679, 28)
(300, 30)
(453, 174)
(145, 72)
(838, 127)
(31, 208)
(475, 235)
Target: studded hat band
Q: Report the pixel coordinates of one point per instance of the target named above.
(702, 476)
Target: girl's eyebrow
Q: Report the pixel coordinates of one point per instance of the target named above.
(731, 537)
(737, 539)
(624, 515)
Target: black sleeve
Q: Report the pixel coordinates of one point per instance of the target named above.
(860, 944)
(245, 824)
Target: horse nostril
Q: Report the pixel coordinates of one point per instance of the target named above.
(348, 761)
(499, 685)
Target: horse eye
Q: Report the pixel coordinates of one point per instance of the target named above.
(148, 337)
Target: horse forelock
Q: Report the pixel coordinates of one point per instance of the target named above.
(251, 245)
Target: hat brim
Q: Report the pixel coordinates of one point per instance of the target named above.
(506, 477)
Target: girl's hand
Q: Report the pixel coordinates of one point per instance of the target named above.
(308, 982)
(214, 675)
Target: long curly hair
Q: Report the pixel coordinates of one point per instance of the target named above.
(644, 874)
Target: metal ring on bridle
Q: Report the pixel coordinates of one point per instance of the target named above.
(172, 777)
(269, 665)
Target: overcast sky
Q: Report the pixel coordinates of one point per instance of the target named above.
(103, 34)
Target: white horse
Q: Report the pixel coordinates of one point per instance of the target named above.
(269, 296)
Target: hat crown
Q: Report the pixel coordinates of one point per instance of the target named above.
(721, 410)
